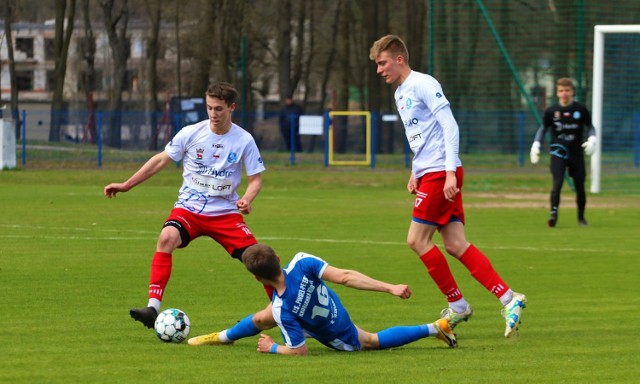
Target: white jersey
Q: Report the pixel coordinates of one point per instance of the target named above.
(418, 99)
(212, 166)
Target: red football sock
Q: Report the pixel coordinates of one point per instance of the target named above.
(160, 273)
(269, 289)
(439, 270)
(482, 270)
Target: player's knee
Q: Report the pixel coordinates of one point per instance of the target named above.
(414, 243)
(456, 248)
(263, 320)
(369, 341)
(169, 240)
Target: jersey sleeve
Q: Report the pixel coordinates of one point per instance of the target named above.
(310, 264)
(588, 123)
(292, 332)
(176, 147)
(253, 163)
(431, 94)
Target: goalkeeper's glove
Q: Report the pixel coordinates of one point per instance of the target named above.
(589, 146)
(535, 152)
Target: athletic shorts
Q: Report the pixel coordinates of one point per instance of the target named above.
(347, 341)
(431, 207)
(228, 230)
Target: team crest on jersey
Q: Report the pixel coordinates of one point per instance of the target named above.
(409, 103)
(576, 115)
(232, 158)
(556, 115)
(199, 153)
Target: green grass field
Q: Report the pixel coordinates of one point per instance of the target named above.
(72, 263)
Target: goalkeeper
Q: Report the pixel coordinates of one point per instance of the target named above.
(567, 122)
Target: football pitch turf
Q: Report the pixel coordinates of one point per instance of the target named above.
(72, 263)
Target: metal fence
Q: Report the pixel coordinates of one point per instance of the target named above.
(498, 138)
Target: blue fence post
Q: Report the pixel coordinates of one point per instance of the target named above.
(636, 145)
(327, 122)
(176, 127)
(292, 138)
(373, 139)
(23, 123)
(99, 137)
(521, 138)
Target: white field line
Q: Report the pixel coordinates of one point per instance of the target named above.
(142, 235)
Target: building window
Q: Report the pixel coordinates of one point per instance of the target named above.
(131, 82)
(50, 80)
(49, 49)
(24, 80)
(25, 45)
(87, 48)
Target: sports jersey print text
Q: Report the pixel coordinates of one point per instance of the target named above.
(305, 292)
(566, 124)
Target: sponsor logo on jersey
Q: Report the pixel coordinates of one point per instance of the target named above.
(438, 95)
(222, 173)
(217, 146)
(409, 103)
(411, 122)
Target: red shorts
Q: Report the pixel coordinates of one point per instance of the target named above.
(229, 230)
(431, 207)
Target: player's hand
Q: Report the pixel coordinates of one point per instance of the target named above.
(243, 206)
(412, 186)
(535, 152)
(450, 189)
(113, 188)
(589, 146)
(401, 290)
(264, 343)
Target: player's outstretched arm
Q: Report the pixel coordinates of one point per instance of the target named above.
(154, 165)
(254, 185)
(357, 280)
(266, 344)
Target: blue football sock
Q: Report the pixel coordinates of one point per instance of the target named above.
(244, 328)
(401, 335)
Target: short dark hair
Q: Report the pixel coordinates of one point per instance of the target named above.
(262, 261)
(223, 91)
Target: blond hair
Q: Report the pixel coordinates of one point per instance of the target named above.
(391, 43)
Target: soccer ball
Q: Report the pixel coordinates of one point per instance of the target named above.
(172, 325)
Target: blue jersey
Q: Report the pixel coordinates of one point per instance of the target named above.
(309, 306)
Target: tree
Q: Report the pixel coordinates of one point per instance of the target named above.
(65, 17)
(88, 51)
(116, 20)
(154, 10)
(8, 10)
